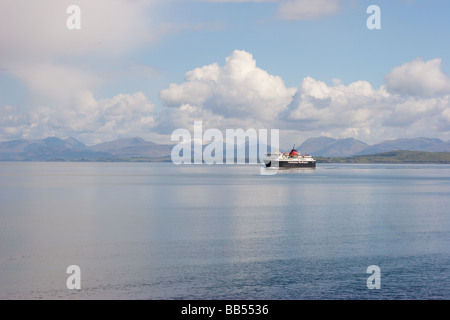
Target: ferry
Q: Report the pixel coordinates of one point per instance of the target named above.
(292, 159)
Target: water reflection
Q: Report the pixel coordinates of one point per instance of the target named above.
(137, 227)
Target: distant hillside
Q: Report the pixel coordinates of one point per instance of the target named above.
(397, 156)
(329, 147)
(49, 149)
(45, 145)
(70, 149)
(442, 147)
(413, 144)
(316, 146)
(133, 147)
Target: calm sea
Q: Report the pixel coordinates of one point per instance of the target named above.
(160, 231)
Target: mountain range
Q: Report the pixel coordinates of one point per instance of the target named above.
(330, 147)
(137, 149)
(70, 149)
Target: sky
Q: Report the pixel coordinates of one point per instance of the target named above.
(147, 67)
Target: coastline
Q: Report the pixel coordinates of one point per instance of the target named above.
(396, 156)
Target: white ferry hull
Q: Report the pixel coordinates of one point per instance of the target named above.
(289, 164)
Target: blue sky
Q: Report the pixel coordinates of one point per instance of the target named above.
(146, 67)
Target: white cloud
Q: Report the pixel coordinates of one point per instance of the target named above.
(238, 94)
(124, 115)
(237, 90)
(419, 78)
(420, 114)
(241, 95)
(360, 111)
(316, 105)
(89, 119)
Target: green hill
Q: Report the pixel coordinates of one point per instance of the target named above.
(397, 156)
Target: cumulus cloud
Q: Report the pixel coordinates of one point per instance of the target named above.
(238, 94)
(419, 114)
(419, 78)
(237, 90)
(89, 119)
(360, 111)
(348, 109)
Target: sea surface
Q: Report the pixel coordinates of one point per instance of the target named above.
(161, 231)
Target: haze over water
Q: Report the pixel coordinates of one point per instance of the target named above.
(160, 231)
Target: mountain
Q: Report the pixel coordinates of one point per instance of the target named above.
(411, 144)
(49, 149)
(316, 146)
(133, 147)
(70, 149)
(48, 144)
(329, 147)
(440, 147)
